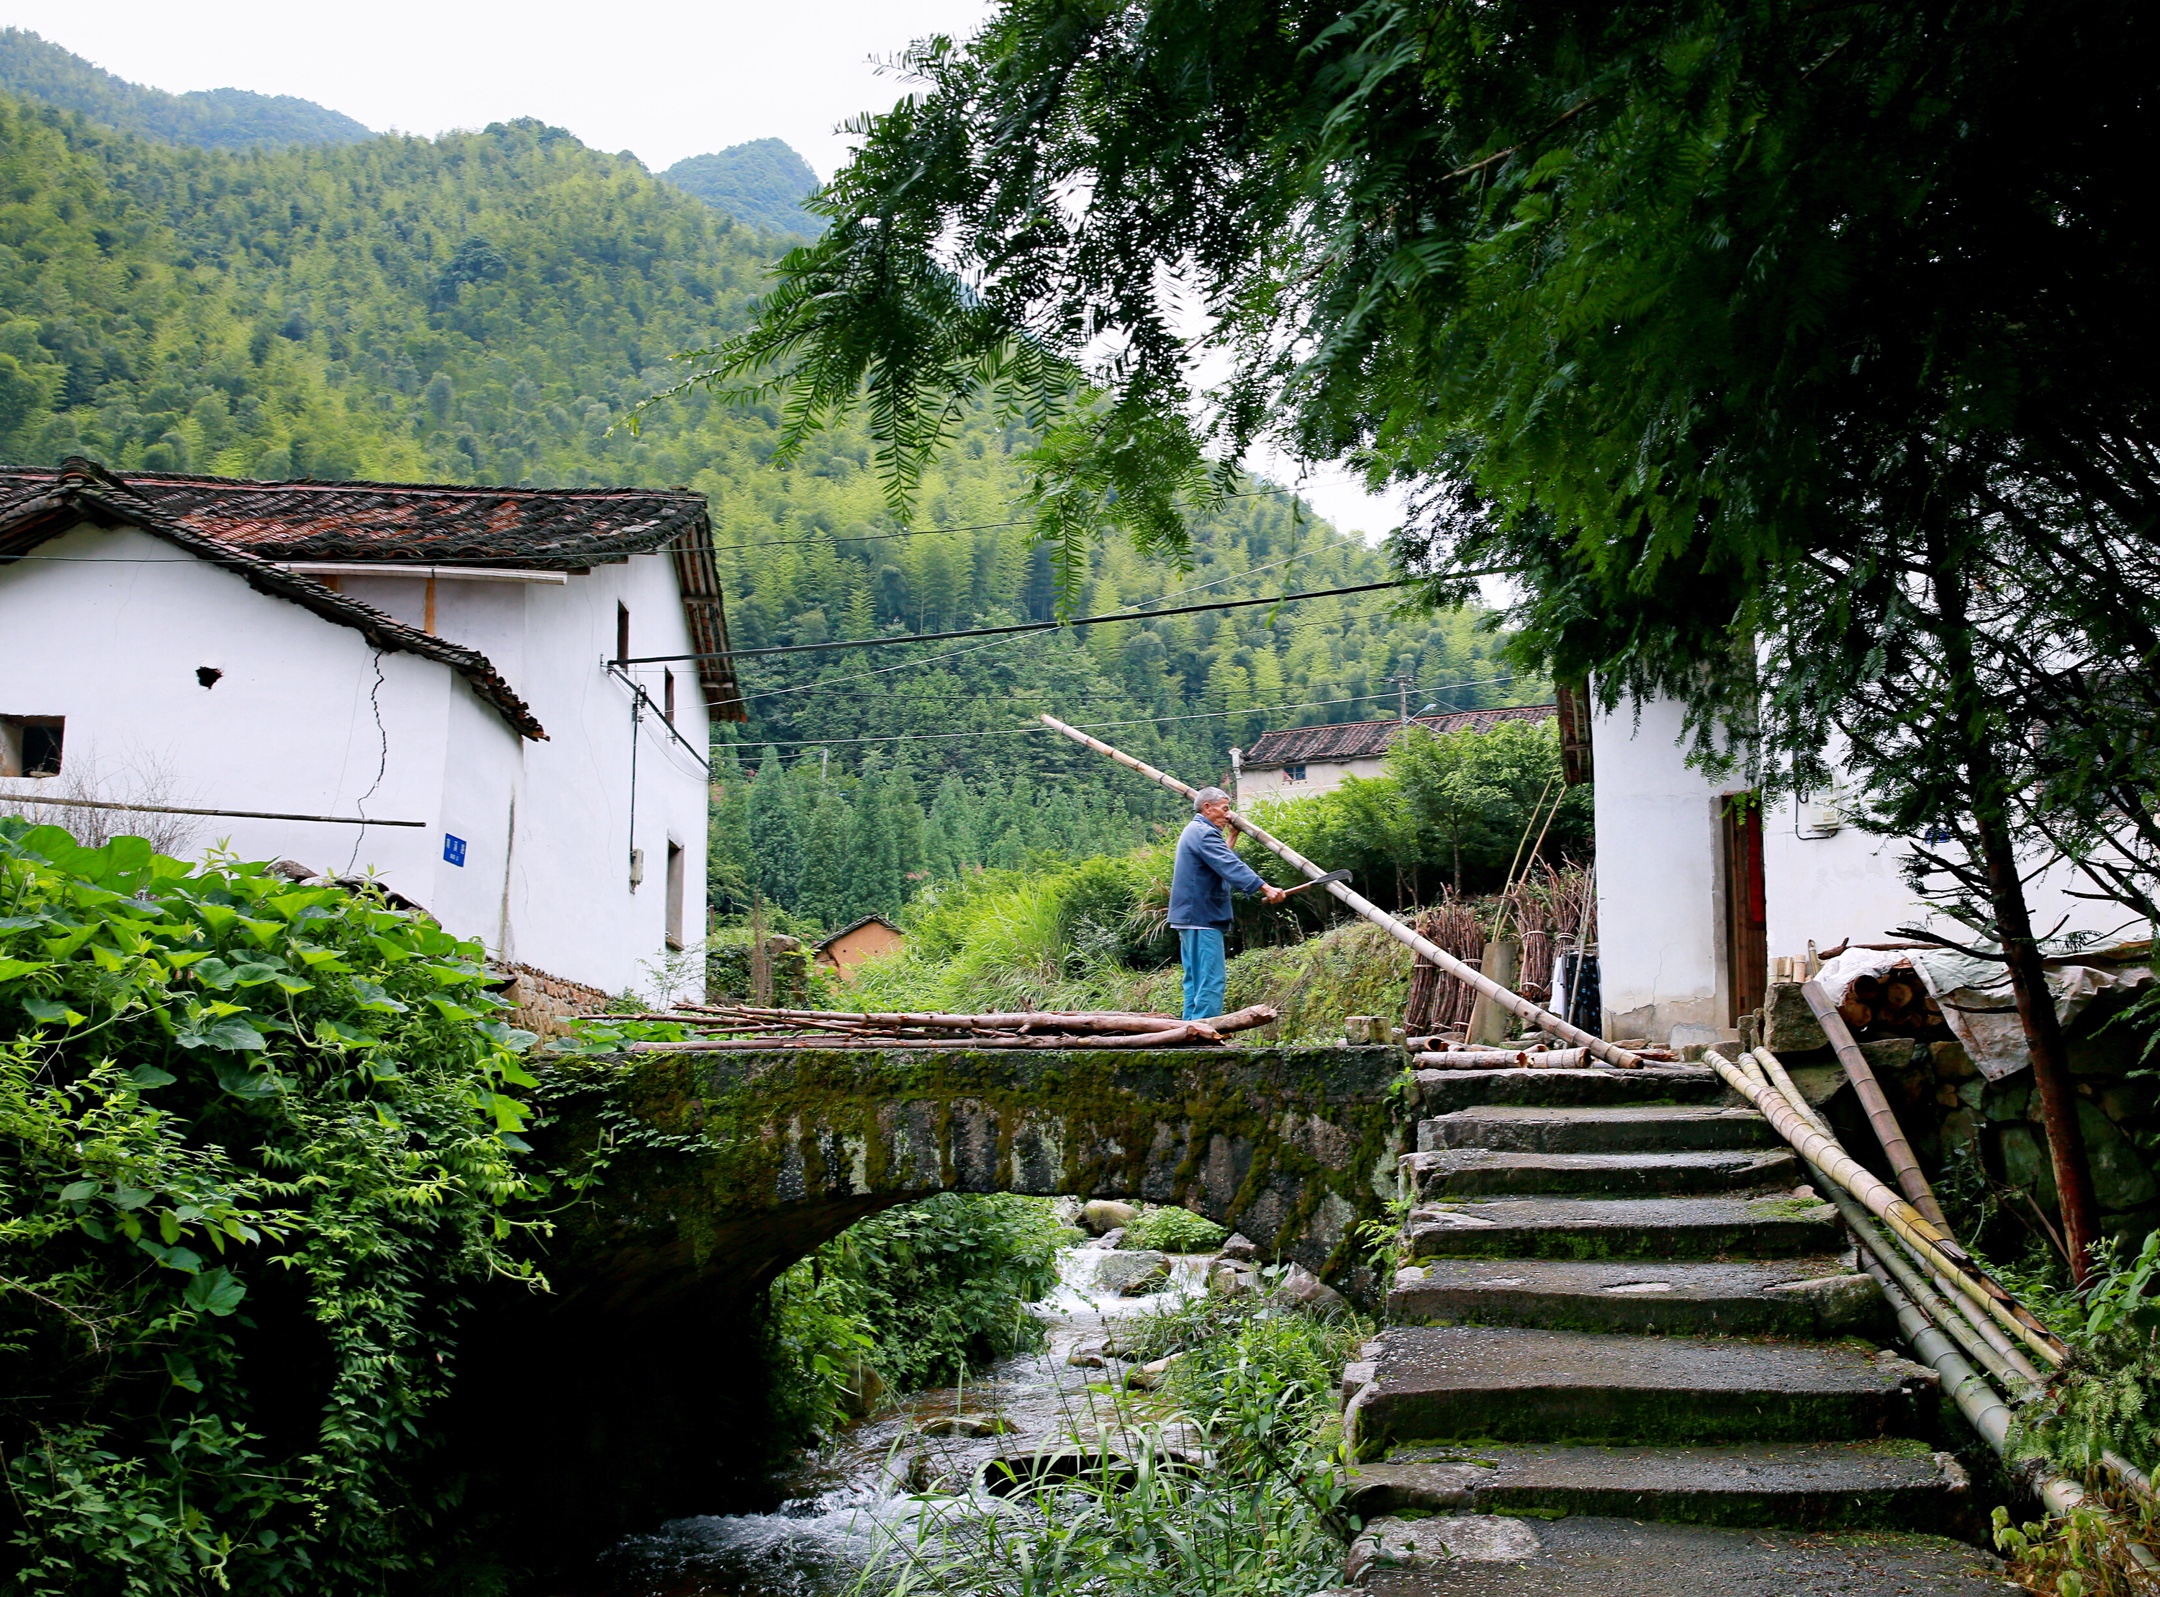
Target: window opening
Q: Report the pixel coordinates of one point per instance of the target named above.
(622, 632)
(30, 745)
(675, 868)
(667, 697)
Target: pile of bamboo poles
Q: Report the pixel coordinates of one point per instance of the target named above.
(1992, 1354)
(744, 1026)
(1437, 1053)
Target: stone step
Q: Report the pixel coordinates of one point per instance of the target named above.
(1444, 1091)
(1896, 1485)
(1807, 1297)
(1500, 1556)
(1508, 1384)
(1603, 1128)
(1477, 1172)
(1623, 1228)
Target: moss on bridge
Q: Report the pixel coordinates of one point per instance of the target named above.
(708, 1173)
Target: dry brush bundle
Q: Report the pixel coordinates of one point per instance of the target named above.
(1546, 908)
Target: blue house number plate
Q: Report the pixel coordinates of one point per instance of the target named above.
(453, 849)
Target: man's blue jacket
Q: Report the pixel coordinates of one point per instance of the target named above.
(1204, 877)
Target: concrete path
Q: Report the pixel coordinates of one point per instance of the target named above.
(1630, 1353)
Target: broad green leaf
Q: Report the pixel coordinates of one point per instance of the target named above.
(10, 969)
(263, 932)
(215, 1293)
(372, 997)
(242, 1082)
(80, 1191)
(53, 1014)
(235, 1036)
(148, 1076)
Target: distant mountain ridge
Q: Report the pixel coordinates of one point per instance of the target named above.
(214, 119)
(763, 183)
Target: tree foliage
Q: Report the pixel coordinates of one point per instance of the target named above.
(258, 1143)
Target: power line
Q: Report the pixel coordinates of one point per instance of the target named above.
(1148, 720)
(954, 654)
(1030, 626)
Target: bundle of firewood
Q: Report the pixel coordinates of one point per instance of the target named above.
(1893, 1004)
(730, 1026)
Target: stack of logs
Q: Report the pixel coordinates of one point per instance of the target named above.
(1894, 1004)
(733, 1026)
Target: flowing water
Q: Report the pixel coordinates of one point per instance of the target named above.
(866, 1494)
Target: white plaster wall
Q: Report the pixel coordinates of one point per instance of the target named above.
(1320, 777)
(110, 637)
(1659, 882)
(1849, 886)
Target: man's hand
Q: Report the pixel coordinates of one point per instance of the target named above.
(1272, 895)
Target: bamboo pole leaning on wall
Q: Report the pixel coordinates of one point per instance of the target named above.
(1869, 1091)
(1514, 1003)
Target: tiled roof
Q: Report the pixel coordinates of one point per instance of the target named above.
(51, 503)
(553, 529)
(1368, 740)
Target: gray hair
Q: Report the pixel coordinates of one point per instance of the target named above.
(1208, 795)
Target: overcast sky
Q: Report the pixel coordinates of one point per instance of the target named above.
(662, 80)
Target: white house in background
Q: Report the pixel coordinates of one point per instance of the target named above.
(1697, 893)
(1300, 761)
(422, 682)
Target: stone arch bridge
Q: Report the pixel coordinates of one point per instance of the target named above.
(715, 1171)
(631, 1390)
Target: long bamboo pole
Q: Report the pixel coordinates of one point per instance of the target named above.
(1933, 1245)
(1887, 1131)
(1477, 980)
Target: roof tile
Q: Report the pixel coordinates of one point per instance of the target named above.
(1368, 740)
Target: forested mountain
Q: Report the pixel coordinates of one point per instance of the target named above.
(216, 119)
(763, 183)
(488, 306)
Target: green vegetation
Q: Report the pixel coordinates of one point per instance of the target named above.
(763, 183)
(917, 1296)
(1174, 1230)
(1264, 1518)
(490, 306)
(217, 119)
(258, 1145)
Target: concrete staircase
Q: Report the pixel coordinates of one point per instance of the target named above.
(1629, 1353)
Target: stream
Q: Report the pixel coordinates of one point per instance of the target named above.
(866, 1493)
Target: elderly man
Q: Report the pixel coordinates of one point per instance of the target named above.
(1206, 874)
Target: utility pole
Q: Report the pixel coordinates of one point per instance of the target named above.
(1402, 697)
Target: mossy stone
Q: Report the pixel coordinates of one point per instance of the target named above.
(2121, 1177)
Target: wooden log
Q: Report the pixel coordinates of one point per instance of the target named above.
(1044, 1020)
(1514, 1003)
(1910, 1178)
(1502, 961)
(1186, 1033)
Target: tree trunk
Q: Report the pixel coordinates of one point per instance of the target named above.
(2013, 923)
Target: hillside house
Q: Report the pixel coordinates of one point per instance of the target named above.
(1702, 889)
(436, 685)
(868, 938)
(1300, 761)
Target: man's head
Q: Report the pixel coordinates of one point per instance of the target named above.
(1213, 803)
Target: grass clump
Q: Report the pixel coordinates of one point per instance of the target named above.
(1145, 1517)
(1174, 1230)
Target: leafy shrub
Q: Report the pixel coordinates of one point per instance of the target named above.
(922, 1294)
(257, 1141)
(1174, 1230)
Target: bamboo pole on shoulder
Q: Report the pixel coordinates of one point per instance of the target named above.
(1862, 1076)
(1477, 980)
(1932, 1245)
